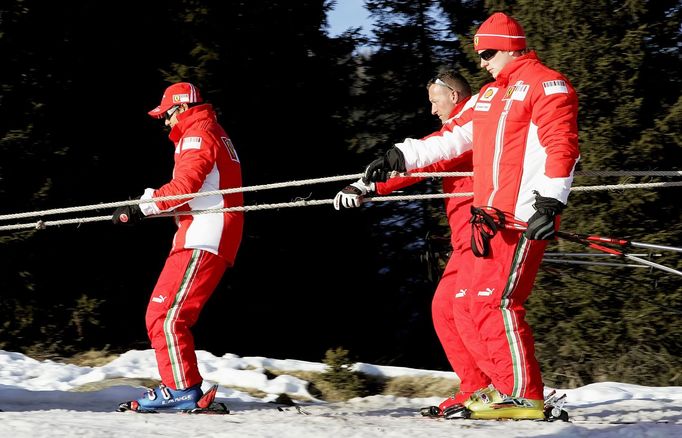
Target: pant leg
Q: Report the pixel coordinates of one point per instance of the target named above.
(481, 373)
(186, 282)
(502, 283)
(444, 321)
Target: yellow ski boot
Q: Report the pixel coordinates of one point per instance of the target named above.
(490, 404)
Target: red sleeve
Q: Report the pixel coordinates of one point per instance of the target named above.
(452, 165)
(192, 165)
(555, 113)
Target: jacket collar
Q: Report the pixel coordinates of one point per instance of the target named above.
(458, 107)
(189, 118)
(514, 66)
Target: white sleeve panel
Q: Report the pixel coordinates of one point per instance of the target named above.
(534, 177)
(557, 188)
(448, 145)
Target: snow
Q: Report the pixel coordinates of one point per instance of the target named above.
(46, 399)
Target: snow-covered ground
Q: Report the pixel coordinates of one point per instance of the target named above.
(39, 399)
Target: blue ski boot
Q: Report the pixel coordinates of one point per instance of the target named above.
(165, 399)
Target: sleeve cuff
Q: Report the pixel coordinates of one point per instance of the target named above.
(149, 208)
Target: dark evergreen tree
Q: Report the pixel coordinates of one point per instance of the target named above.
(62, 94)
(276, 80)
(598, 323)
(298, 104)
(413, 40)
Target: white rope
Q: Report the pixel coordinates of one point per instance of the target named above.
(617, 187)
(173, 197)
(629, 173)
(580, 173)
(41, 225)
(305, 203)
(101, 206)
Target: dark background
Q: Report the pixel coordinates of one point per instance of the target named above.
(78, 78)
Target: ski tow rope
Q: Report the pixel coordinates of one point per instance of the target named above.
(42, 224)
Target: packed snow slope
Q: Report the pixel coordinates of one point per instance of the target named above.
(49, 399)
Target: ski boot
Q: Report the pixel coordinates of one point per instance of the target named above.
(460, 410)
(491, 404)
(165, 399)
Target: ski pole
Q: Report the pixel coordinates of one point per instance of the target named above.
(624, 242)
(592, 254)
(583, 262)
(590, 240)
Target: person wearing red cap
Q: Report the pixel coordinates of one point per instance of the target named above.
(522, 128)
(204, 246)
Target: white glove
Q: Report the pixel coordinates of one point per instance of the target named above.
(351, 196)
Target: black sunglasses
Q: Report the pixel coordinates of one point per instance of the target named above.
(487, 55)
(170, 112)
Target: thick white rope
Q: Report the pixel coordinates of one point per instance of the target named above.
(305, 203)
(590, 173)
(167, 198)
(301, 183)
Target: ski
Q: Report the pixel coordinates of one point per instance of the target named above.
(578, 421)
(296, 408)
(553, 409)
(215, 408)
(431, 412)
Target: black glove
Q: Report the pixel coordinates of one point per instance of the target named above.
(380, 169)
(541, 225)
(127, 215)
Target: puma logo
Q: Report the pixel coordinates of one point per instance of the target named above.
(486, 293)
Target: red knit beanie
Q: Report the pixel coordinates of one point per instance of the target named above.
(500, 32)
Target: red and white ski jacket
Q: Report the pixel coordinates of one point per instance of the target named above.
(523, 131)
(205, 160)
(451, 184)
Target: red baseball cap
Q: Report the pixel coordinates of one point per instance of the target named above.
(500, 32)
(182, 92)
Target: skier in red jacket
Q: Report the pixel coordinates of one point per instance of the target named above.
(522, 128)
(449, 94)
(204, 246)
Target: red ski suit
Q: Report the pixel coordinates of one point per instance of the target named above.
(204, 246)
(458, 213)
(523, 131)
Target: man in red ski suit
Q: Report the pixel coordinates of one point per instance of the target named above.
(449, 94)
(204, 246)
(522, 128)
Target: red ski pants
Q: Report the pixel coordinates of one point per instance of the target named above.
(461, 360)
(186, 282)
(486, 337)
